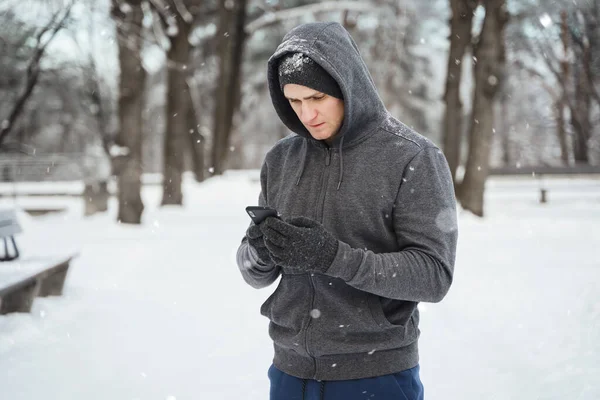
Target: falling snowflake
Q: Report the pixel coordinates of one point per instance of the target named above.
(315, 313)
(546, 20)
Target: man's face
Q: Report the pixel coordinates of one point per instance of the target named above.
(320, 113)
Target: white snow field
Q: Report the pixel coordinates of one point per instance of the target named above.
(160, 311)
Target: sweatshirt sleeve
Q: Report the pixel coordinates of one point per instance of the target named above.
(426, 229)
(254, 271)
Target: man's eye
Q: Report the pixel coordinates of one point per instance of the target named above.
(319, 98)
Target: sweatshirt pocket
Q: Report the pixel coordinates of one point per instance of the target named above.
(345, 323)
(399, 318)
(287, 308)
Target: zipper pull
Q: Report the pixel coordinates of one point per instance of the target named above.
(328, 158)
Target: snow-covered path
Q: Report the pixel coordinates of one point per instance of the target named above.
(161, 312)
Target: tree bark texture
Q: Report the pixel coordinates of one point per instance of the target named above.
(562, 104)
(490, 61)
(131, 102)
(581, 112)
(231, 36)
(178, 105)
(460, 39)
(195, 138)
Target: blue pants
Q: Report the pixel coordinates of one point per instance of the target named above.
(404, 385)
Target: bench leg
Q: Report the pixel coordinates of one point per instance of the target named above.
(52, 285)
(543, 196)
(20, 300)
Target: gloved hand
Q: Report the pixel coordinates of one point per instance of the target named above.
(299, 243)
(256, 240)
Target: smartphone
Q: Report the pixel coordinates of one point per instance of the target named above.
(259, 213)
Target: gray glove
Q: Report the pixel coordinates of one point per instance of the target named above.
(256, 240)
(299, 243)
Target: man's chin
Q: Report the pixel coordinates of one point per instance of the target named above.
(320, 135)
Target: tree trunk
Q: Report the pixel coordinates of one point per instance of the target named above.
(196, 140)
(561, 132)
(131, 90)
(562, 103)
(505, 130)
(460, 38)
(489, 69)
(231, 36)
(580, 116)
(178, 99)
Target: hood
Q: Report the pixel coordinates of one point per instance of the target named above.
(332, 47)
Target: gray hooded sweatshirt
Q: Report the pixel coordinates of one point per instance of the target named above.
(385, 192)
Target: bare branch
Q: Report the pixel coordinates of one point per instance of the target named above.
(160, 7)
(158, 24)
(183, 11)
(33, 71)
(290, 13)
(537, 74)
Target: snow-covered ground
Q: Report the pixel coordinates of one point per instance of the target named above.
(160, 311)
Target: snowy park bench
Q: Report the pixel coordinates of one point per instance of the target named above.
(540, 172)
(22, 280)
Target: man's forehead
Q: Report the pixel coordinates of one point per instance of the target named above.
(298, 91)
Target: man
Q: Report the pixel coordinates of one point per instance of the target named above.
(367, 230)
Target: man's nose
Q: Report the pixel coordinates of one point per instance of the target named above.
(308, 113)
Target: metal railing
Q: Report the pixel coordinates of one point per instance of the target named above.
(44, 167)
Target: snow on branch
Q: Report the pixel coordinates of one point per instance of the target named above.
(271, 18)
(183, 11)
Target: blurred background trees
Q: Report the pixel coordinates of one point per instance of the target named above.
(128, 88)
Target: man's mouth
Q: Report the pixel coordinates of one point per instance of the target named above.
(316, 126)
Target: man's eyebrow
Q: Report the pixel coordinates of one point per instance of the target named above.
(307, 97)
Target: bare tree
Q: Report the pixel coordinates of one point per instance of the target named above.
(128, 16)
(195, 136)
(461, 24)
(178, 102)
(33, 69)
(231, 36)
(584, 36)
(489, 70)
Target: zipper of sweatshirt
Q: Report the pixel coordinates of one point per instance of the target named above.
(310, 276)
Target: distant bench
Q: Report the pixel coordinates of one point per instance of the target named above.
(24, 279)
(539, 172)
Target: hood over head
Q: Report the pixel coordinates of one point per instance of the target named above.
(332, 47)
